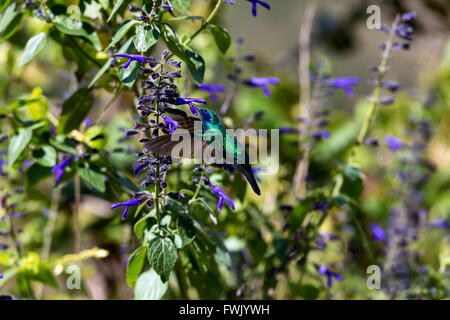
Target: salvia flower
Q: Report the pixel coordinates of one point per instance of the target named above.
(343, 83)
(134, 57)
(222, 196)
(191, 102)
(255, 6)
(130, 203)
(329, 274)
(393, 142)
(441, 224)
(172, 124)
(263, 83)
(377, 232)
(58, 169)
(212, 89)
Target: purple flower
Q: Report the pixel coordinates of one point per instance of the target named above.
(1, 276)
(126, 204)
(288, 130)
(321, 134)
(222, 196)
(343, 83)
(3, 246)
(329, 274)
(190, 102)
(263, 83)
(255, 5)
(387, 100)
(88, 122)
(321, 206)
(377, 232)
(409, 16)
(393, 142)
(173, 124)
(134, 57)
(441, 224)
(212, 89)
(59, 168)
(229, 1)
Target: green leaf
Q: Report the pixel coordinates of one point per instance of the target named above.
(84, 30)
(146, 37)
(107, 64)
(93, 178)
(144, 223)
(221, 36)
(162, 254)
(75, 109)
(10, 22)
(18, 143)
(193, 60)
(149, 286)
(34, 45)
(37, 173)
(135, 264)
(116, 7)
(45, 156)
(129, 75)
(121, 32)
(7, 17)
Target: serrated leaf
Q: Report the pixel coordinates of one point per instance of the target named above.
(162, 254)
(75, 109)
(45, 156)
(149, 286)
(146, 37)
(135, 265)
(34, 45)
(93, 178)
(193, 59)
(18, 143)
(116, 7)
(221, 37)
(121, 32)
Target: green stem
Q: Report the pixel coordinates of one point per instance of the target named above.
(207, 21)
(110, 102)
(199, 186)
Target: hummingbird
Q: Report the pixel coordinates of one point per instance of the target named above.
(213, 132)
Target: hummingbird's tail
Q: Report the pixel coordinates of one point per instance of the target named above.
(246, 169)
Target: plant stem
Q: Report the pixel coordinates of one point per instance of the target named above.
(211, 16)
(300, 188)
(76, 214)
(110, 102)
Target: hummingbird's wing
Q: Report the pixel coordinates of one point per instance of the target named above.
(184, 142)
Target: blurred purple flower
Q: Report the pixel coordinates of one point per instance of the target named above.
(255, 5)
(212, 89)
(222, 196)
(126, 204)
(408, 16)
(441, 224)
(59, 168)
(343, 83)
(321, 134)
(190, 102)
(263, 83)
(329, 274)
(377, 232)
(229, 1)
(393, 142)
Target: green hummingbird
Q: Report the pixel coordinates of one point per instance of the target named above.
(213, 133)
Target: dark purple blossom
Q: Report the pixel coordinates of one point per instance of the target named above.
(229, 1)
(255, 6)
(393, 142)
(134, 57)
(321, 134)
(130, 203)
(212, 89)
(441, 224)
(190, 102)
(173, 124)
(263, 83)
(387, 100)
(222, 196)
(59, 168)
(329, 274)
(377, 232)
